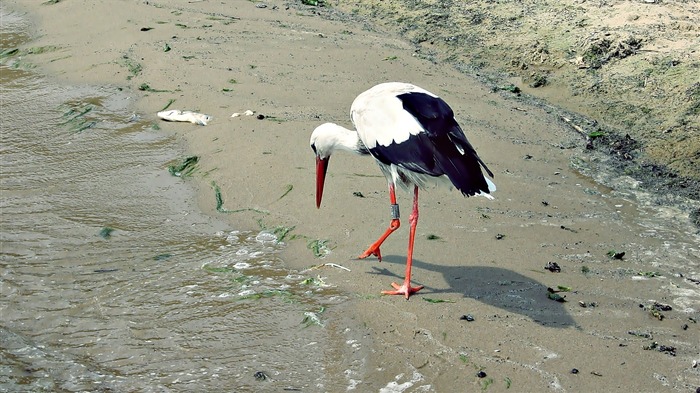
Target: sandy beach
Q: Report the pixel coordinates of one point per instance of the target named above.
(625, 323)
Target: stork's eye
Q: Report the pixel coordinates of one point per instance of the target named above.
(313, 147)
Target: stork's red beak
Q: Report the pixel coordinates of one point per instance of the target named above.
(321, 168)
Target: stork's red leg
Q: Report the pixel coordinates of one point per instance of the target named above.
(406, 289)
(394, 225)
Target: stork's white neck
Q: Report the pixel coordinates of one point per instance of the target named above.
(330, 137)
(347, 139)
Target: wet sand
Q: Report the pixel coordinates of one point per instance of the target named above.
(483, 258)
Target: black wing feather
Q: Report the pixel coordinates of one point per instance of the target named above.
(435, 151)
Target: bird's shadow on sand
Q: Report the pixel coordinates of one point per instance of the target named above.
(495, 286)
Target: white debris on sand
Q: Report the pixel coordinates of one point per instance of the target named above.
(178, 115)
(246, 113)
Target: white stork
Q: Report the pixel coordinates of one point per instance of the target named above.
(416, 141)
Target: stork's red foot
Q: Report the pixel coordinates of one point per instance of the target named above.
(406, 289)
(372, 250)
(393, 225)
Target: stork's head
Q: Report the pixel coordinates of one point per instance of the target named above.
(323, 142)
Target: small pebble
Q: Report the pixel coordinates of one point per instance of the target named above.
(553, 267)
(662, 307)
(587, 304)
(618, 255)
(481, 374)
(260, 376)
(574, 371)
(467, 317)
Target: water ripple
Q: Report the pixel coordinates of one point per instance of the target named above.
(110, 280)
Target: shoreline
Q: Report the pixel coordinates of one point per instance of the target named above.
(299, 71)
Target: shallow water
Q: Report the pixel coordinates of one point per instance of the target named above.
(110, 280)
